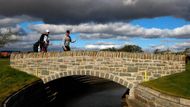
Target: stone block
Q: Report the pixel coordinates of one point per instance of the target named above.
(130, 78)
(173, 104)
(49, 79)
(107, 76)
(89, 67)
(130, 86)
(61, 74)
(87, 72)
(111, 77)
(97, 74)
(60, 60)
(102, 74)
(156, 93)
(63, 66)
(124, 74)
(185, 101)
(53, 77)
(116, 78)
(121, 81)
(115, 73)
(139, 78)
(44, 72)
(65, 74)
(112, 69)
(162, 102)
(157, 75)
(170, 98)
(125, 83)
(83, 72)
(57, 75)
(79, 60)
(132, 69)
(103, 68)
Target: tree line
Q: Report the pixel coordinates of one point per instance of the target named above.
(126, 48)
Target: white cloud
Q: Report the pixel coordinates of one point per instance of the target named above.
(119, 30)
(161, 47)
(96, 36)
(181, 46)
(105, 45)
(102, 45)
(130, 2)
(180, 32)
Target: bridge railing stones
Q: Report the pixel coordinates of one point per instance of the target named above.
(165, 57)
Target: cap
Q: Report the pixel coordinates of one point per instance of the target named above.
(47, 31)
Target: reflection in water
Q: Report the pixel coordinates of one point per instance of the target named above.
(74, 93)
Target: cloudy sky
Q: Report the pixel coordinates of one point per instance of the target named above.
(98, 24)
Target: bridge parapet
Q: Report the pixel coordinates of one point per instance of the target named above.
(101, 54)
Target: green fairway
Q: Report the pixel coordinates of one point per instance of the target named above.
(176, 85)
(12, 80)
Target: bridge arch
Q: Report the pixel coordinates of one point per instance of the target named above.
(104, 75)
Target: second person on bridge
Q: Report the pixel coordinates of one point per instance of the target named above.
(66, 41)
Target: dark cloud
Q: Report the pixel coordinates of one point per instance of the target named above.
(80, 11)
(13, 21)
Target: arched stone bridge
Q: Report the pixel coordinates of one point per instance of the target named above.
(127, 69)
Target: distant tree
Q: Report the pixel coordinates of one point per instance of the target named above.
(126, 48)
(131, 48)
(157, 51)
(168, 51)
(5, 36)
(110, 49)
(187, 51)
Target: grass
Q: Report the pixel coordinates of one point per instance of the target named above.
(176, 84)
(12, 80)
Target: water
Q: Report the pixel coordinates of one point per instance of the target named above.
(106, 94)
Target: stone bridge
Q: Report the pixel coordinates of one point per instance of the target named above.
(127, 69)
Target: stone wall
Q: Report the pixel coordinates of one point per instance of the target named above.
(152, 98)
(127, 69)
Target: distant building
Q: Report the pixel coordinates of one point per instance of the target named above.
(6, 54)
